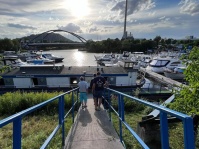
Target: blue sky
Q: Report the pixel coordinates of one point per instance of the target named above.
(101, 19)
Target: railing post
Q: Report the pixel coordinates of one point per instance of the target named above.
(73, 106)
(164, 130)
(61, 117)
(189, 140)
(109, 102)
(122, 107)
(120, 115)
(77, 98)
(17, 133)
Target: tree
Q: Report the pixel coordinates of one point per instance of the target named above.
(187, 99)
(157, 39)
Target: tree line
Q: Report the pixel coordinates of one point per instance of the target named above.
(137, 45)
(111, 45)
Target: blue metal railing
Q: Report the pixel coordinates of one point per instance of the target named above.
(16, 119)
(187, 121)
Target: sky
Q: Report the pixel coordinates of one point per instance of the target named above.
(100, 19)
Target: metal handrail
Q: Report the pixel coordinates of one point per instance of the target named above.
(186, 120)
(16, 119)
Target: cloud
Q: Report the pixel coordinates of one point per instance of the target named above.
(20, 26)
(71, 27)
(190, 7)
(92, 29)
(133, 6)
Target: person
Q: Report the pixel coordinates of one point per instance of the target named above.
(91, 85)
(83, 89)
(98, 88)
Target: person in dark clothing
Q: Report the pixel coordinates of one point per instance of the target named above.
(98, 88)
(91, 86)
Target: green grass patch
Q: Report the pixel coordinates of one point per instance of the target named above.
(176, 138)
(35, 130)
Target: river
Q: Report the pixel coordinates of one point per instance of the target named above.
(75, 58)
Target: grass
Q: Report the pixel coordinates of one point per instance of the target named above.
(175, 132)
(35, 130)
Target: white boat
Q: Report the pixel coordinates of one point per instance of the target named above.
(57, 59)
(13, 61)
(39, 60)
(23, 56)
(144, 60)
(158, 64)
(129, 64)
(63, 77)
(125, 55)
(105, 57)
(175, 74)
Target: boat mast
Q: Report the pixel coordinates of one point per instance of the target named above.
(125, 33)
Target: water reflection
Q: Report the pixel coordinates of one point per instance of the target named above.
(75, 57)
(79, 58)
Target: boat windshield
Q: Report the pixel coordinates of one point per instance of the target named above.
(159, 63)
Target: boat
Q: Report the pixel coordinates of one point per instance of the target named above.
(158, 64)
(129, 64)
(144, 60)
(105, 57)
(62, 77)
(12, 61)
(125, 55)
(57, 59)
(23, 56)
(175, 74)
(39, 60)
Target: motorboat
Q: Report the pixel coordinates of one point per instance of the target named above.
(23, 56)
(143, 60)
(158, 64)
(13, 61)
(57, 59)
(176, 73)
(128, 64)
(125, 55)
(39, 60)
(105, 57)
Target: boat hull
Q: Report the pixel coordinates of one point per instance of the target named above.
(174, 76)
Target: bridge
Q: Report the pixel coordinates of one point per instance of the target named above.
(94, 129)
(43, 36)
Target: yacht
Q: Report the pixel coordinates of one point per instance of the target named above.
(158, 64)
(39, 60)
(57, 59)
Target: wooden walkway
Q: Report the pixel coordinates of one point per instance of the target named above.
(161, 78)
(92, 130)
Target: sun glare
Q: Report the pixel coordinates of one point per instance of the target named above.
(79, 56)
(78, 8)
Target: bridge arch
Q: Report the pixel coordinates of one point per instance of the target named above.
(46, 33)
(59, 30)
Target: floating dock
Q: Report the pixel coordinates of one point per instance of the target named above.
(161, 78)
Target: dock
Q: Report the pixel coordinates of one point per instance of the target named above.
(92, 129)
(161, 78)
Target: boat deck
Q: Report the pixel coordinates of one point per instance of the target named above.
(66, 70)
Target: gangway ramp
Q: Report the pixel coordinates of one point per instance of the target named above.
(92, 130)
